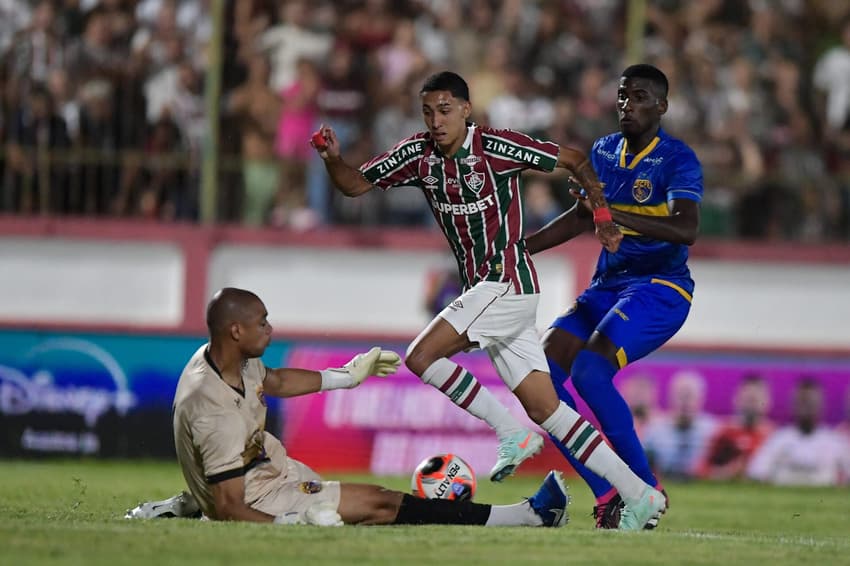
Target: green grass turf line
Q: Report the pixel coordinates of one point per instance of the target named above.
(70, 512)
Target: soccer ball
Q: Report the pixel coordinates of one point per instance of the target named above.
(444, 476)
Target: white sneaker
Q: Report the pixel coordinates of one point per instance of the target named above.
(181, 505)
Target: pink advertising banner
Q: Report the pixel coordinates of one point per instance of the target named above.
(387, 426)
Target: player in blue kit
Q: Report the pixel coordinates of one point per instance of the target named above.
(639, 296)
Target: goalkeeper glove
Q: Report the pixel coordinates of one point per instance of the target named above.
(374, 362)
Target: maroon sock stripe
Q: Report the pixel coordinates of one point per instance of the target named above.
(471, 396)
(589, 450)
(573, 430)
(455, 374)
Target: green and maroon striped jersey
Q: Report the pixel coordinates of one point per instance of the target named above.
(474, 195)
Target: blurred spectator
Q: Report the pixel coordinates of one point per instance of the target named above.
(675, 443)
(296, 120)
(291, 41)
(641, 394)
(101, 140)
(163, 79)
(539, 205)
(14, 16)
(734, 442)
(843, 427)
(186, 108)
(164, 191)
(400, 60)
(488, 81)
(341, 102)
(190, 18)
(832, 79)
(92, 55)
(595, 111)
(805, 452)
(64, 101)
(38, 179)
(399, 118)
(519, 107)
(369, 25)
(759, 89)
(257, 108)
(37, 49)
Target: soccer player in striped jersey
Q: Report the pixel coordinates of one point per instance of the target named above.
(470, 176)
(639, 296)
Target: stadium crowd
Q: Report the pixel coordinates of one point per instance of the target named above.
(103, 102)
(684, 441)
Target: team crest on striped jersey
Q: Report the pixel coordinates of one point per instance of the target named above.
(474, 180)
(642, 190)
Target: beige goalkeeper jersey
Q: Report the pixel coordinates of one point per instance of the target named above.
(220, 434)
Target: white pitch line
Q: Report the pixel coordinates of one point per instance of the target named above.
(795, 541)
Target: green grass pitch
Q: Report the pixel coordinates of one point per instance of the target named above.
(70, 512)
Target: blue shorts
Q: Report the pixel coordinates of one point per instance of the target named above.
(637, 318)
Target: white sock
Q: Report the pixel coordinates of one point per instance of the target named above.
(588, 446)
(513, 515)
(467, 393)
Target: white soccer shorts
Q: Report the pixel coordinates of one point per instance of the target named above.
(503, 324)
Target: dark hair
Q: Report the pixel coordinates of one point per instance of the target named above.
(808, 382)
(449, 81)
(226, 307)
(751, 378)
(650, 73)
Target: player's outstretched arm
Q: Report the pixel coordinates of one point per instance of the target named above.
(346, 178)
(292, 382)
(680, 227)
(579, 165)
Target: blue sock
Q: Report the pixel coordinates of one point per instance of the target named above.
(593, 378)
(598, 485)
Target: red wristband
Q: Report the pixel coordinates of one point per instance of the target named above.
(318, 139)
(602, 214)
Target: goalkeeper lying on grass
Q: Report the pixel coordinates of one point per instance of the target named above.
(237, 471)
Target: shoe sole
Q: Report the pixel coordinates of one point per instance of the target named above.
(499, 475)
(653, 521)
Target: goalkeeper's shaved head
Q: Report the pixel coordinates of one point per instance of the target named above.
(227, 306)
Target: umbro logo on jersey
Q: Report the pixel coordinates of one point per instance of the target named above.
(457, 304)
(430, 180)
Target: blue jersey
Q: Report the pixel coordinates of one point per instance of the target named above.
(645, 183)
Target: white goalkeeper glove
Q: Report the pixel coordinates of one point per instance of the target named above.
(322, 514)
(374, 362)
